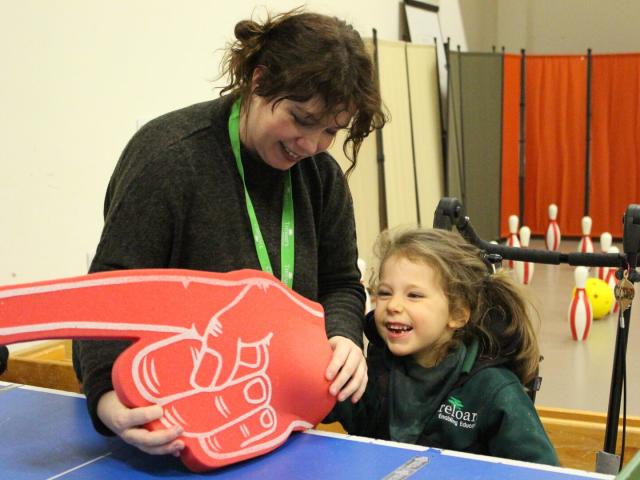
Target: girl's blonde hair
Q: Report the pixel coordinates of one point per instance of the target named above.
(305, 55)
(499, 311)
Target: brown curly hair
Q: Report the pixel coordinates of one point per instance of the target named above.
(306, 55)
(500, 313)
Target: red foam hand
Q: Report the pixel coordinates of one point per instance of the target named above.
(236, 359)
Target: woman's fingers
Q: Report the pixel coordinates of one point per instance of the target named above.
(157, 442)
(362, 384)
(352, 378)
(127, 424)
(347, 369)
(339, 357)
(134, 417)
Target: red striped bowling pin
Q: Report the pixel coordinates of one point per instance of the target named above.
(524, 270)
(586, 245)
(580, 312)
(512, 239)
(605, 245)
(612, 281)
(553, 237)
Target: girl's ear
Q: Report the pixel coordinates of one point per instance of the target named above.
(459, 319)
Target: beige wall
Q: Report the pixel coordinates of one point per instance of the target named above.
(568, 26)
(551, 26)
(479, 19)
(77, 76)
(572, 26)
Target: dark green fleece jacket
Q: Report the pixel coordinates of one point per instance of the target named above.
(487, 413)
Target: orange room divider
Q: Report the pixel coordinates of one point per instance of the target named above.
(509, 195)
(555, 140)
(615, 132)
(556, 92)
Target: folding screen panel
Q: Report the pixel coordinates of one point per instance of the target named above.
(555, 141)
(363, 184)
(425, 115)
(454, 171)
(475, 127)
(615, 133)
(510, 191)
(398, 155)
(412, 145)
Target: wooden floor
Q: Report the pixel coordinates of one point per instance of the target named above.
(577, 375)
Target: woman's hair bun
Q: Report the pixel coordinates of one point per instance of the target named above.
(246, 30)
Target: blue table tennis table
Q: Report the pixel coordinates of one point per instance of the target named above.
(47, 434)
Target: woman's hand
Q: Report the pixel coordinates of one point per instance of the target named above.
(127, 424)
(347, 369)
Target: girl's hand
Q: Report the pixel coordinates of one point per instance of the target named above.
(128, 423)
(347, 369)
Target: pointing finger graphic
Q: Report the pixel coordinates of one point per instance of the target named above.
(221, 353)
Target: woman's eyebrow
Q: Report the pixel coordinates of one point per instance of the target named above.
(307, 114)
(317, 117)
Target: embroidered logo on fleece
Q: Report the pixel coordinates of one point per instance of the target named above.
(453, 412)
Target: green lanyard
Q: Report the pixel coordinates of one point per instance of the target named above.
(287, 228)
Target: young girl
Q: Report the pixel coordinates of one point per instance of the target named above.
(452, 347)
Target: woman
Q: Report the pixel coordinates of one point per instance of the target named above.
(195, 187)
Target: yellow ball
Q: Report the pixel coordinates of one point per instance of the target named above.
(600, 296)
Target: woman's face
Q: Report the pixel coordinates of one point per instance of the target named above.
(289, 132)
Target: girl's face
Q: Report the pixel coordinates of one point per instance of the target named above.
(412, 311)
(290, 132)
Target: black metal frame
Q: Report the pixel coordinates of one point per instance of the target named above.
(4, 358)
(450, 213)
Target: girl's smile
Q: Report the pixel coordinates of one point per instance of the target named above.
(397, 330)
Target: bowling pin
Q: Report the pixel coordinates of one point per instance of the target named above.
(553, 237)
(362, 266)
(524, 270)
(512, 239)
(580, 312)
(610, 278)
(605, 245)
(586, 245)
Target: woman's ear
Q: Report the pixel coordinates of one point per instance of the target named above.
(255, 76)
(459, 319)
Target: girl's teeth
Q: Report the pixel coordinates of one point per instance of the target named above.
(398, 328)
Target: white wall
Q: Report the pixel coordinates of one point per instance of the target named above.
(76, 77)
(572, 26)
(544, 26)
(568, 26)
